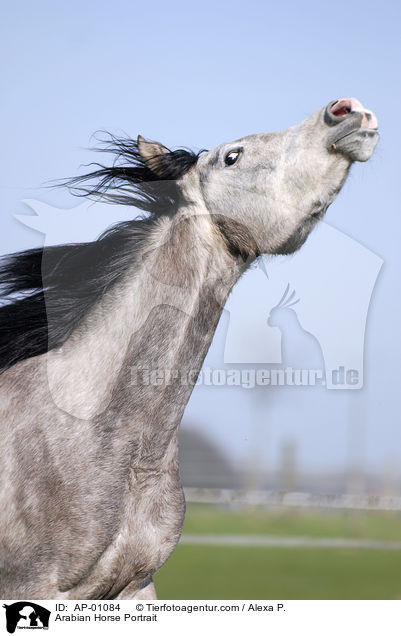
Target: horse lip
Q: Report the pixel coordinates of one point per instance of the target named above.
(364, 133)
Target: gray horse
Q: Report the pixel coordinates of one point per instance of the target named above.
(101, 344)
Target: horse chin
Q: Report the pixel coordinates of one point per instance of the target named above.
(357, 145)
(298, 237)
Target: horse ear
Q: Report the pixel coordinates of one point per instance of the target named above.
(152, 153)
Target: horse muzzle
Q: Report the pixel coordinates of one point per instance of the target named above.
(353, 129)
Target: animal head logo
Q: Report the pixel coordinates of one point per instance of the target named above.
(26, 615)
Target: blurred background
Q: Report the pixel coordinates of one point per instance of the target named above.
(197, 75)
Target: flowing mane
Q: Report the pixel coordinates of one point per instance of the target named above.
(64, 281)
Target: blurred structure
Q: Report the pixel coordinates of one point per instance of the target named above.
(288, 466)
(205, 465)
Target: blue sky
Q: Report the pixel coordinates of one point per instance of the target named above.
(197, 75)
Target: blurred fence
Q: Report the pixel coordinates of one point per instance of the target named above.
(292, 499)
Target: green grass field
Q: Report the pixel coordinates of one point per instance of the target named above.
(228, 572)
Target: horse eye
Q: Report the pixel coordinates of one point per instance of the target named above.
(231, 157)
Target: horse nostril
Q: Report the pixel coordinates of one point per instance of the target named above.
(339, 110)
(344, 110)
(341, 107)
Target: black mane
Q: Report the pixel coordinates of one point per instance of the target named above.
(48, 290)
(130, 181)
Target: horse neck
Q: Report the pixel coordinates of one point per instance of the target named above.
(134, 359)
